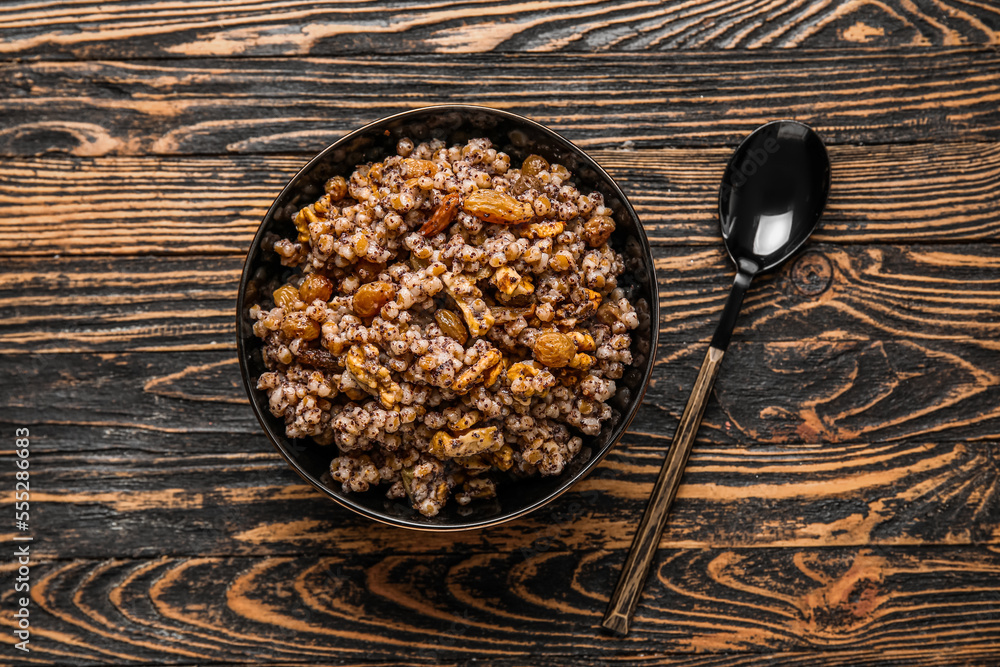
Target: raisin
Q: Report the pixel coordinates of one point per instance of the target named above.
(451, 325)
(554, 349)
(318, 359)
(315, 287)
(559, 171)
(533, 164)
(497, 207)
(300, 325)
(609, 313)
(285, 297)
(370, 298)
(442, 216)
(367, 271)
(414, 168)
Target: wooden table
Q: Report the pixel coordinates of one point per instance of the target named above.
(841, 504)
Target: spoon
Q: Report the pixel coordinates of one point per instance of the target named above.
(772, 194)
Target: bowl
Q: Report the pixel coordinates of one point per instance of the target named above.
(519, 137)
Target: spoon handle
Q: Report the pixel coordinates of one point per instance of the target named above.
(647, 537)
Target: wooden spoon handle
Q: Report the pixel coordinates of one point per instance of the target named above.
(647, 537)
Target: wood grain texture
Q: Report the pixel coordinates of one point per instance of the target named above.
(245, 500)
(973, 657)
(212, 106)
(814, 391)
(840, 505)
(111, 303)
(185, 205)
(447, 608)
(142, 28)
(845, 295)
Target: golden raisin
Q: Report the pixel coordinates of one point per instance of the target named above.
(497, 207)
(554, 349)
(360, 244)
(451, 325)
(370, 298)
(597, 230)
(414, 168)
(566, 377)
(356, 394)
(442, 216)
(533, 164)
(315, 287)
(285, 297)
(367, 271)
(300, 325)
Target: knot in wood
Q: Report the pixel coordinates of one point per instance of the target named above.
(812, 274)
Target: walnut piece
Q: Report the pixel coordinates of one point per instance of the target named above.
(468, 298)
(476, 441)
(362, 364)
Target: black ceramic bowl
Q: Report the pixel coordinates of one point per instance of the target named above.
(519, 137)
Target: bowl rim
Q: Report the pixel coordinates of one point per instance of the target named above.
(401, 522)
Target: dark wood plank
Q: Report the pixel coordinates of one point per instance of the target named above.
(600, 101)
(818, 390)
(840, 506)
(183, 205)
(123, 206)
(971, 657)
(887, 193)
(142, 28)
(113, 304)
(345, 608)
(248, 501)
(828, 293)
(845, 345)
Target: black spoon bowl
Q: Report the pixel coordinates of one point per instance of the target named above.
(771, 198)
(772, 195)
